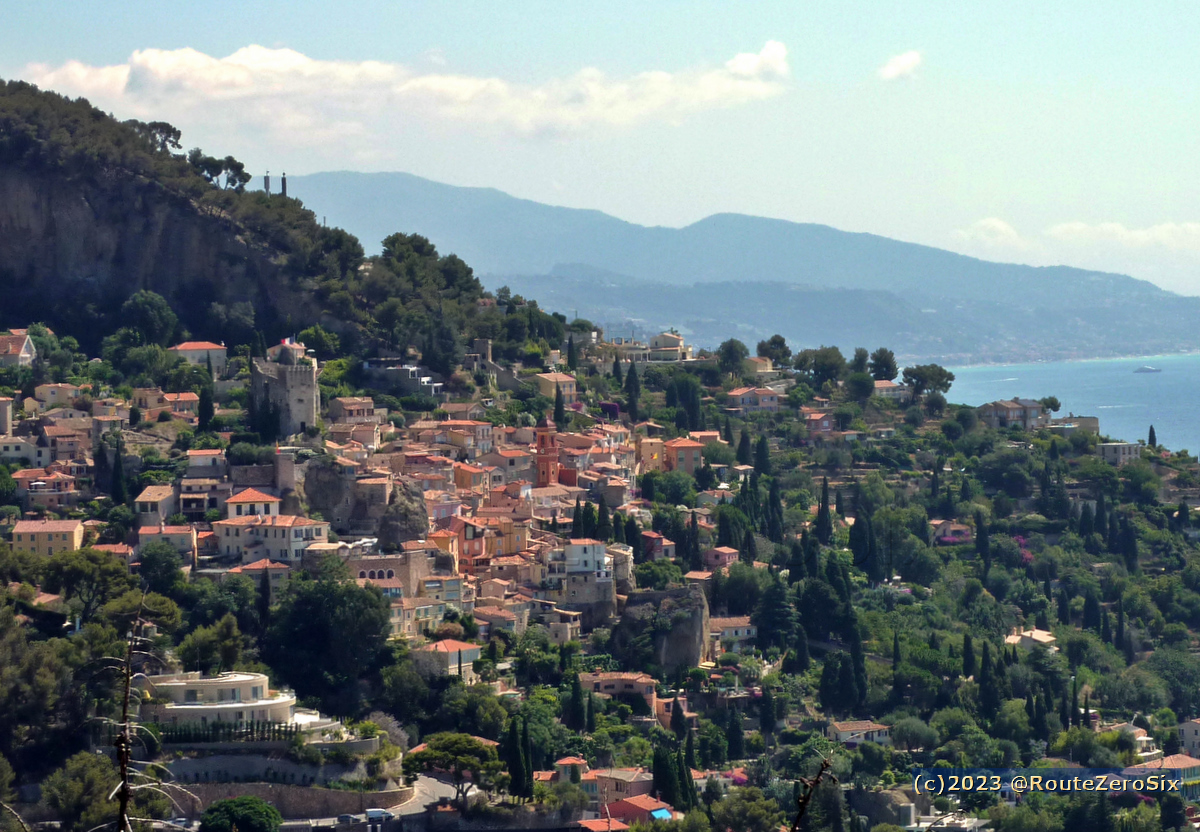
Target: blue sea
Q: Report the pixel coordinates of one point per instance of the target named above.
(1127, 403)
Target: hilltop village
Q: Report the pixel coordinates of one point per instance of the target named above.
(627, 584)
(296, 532)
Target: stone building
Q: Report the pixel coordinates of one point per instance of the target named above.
(286, 381)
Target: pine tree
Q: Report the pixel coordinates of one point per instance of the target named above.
(823, 527)
(745, 453)
(560, 407)
(616, 371)
(1152, 440)
(968, 657)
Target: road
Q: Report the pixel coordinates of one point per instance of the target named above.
(425, 790)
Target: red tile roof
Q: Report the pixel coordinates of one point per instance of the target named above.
(252, 495)
(197, 345)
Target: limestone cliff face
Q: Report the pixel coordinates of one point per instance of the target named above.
(663, 629)
(73, 248)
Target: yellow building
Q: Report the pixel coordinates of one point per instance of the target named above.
(45, 537)
(548, 382)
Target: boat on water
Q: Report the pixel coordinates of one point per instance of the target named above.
(1148, 369)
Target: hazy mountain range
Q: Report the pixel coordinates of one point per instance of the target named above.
(749, 277)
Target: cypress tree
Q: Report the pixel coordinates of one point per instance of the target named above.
(799, 652)
(119, 490)
(527, 750)
(749, 552)
(762, 456)
(848, 693)
(727, 434)
(616, 371)
(735, 736)
(1064, 714)
(824, 523)
(1106, 628)
(577, 519)
(633, 391)
(1064, 606)
(1087, 519)
(577, 711)
(678, 720)
(1152, 440)
(828, 689)
(968, 657)
(1101, 520)
(618, 528)
(633, 537)
(516, 759)
(689, 753)
(744, 450)
(205, 410)
(1074, 701)
(604, 527)
(983, 544)
(989, 694)
(560, 412)
(591, 714)
(1129, 545)
(1120, 634)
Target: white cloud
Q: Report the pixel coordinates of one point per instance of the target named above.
(1173, 236)
(282, 88)
(898, 66)
(992, 233)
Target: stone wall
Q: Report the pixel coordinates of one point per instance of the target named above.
(295, 802)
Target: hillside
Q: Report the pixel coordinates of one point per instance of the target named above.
(983, 311)
(93, 210)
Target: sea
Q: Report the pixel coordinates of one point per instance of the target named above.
(1127, 403)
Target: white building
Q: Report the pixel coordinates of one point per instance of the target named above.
(229, 697)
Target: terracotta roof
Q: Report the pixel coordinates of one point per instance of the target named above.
(646, 802)
(449, 646)
(863, 725)
(30, 526)
(279, 521)
(715, 625)
(12, 344)
(152, 530)
(206, 452)
(258, 565)
(682, 442)
(571, 761)
(1178, 761)
(155, 493)
(197, 345)
(252, 495)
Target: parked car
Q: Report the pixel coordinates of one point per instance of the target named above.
(347, 819)
(378, 815)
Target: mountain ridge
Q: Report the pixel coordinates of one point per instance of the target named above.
(988, 310)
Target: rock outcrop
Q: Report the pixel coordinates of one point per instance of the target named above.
(666, 630)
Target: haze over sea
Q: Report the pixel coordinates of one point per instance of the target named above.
(1126, 402)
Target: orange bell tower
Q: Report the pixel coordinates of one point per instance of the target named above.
(547, 452)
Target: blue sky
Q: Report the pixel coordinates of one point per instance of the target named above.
(1034, 132)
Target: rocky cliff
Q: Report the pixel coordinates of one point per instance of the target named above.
(664, 630)
(73, 248)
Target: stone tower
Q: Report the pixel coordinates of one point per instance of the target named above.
(287, 379)
(547, 452)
